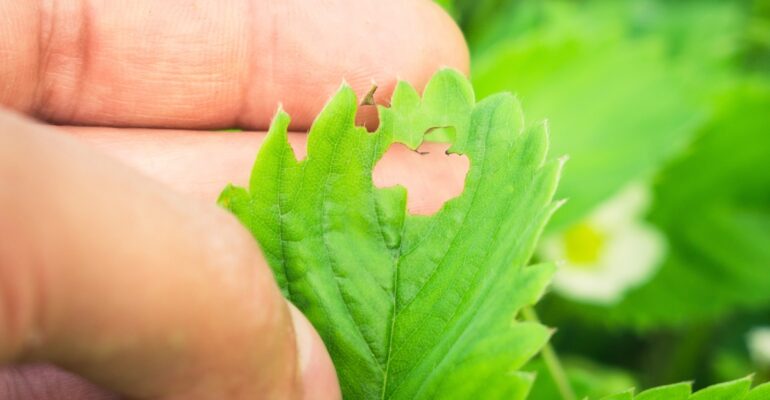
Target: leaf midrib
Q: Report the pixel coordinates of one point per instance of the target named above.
(328, 252)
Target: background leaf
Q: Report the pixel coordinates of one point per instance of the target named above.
(613, 99)
(739, 389)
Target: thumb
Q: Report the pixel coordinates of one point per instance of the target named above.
(114, 277)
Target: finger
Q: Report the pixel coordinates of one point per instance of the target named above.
(116, 278)
(202, 163)
(208, 64)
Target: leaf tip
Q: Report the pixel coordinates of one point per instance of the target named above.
(552, 330)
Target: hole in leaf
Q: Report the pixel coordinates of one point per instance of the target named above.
(430, 176)
(368, 118)
(368, 115)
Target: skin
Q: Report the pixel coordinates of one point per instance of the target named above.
(119, 276)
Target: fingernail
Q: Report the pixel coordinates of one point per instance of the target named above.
(303, 333)
(319, 379)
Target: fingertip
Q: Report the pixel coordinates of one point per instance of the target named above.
(323, 44)
(424, 39)
(452, 48)
(414, 39)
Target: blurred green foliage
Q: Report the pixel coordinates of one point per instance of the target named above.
(587, 379)
(673, 94)
(578, 73)
(714, 204)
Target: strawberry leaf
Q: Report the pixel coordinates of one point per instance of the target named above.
(410, 307)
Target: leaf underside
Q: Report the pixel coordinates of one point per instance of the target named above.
(410, 307)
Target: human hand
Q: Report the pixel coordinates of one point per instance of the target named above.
(148, 289)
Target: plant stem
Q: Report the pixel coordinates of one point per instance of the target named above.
(551, 360)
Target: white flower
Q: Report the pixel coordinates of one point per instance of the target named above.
(609, 252)
(758, 340)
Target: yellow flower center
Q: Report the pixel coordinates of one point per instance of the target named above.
(583, 245)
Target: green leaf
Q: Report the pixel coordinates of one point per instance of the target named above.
(733, 390)
(725, 391)
(446, 105)
(677, 391)
(627, 395)
(761, 392)
(410, 307)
